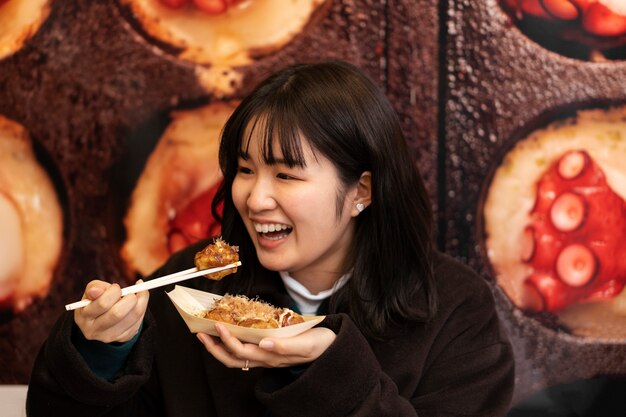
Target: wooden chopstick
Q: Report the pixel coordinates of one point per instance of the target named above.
(159, 282)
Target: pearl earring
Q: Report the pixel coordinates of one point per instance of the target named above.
(360, 207)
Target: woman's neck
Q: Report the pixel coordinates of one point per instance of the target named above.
(316, 281)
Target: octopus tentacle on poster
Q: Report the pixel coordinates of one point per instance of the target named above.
(555, 217)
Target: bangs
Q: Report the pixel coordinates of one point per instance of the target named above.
(274, 127)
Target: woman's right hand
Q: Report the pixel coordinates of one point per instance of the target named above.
(110, 317)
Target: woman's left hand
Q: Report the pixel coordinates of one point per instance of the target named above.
(270, 352)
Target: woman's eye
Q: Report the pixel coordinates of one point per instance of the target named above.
(284, 176)
(244, 170)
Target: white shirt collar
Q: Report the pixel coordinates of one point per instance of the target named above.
(307, 302)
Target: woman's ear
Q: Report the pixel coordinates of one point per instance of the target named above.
(363, 193)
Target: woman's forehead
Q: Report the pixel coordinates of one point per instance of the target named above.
(276, 144)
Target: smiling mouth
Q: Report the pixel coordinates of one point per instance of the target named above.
(272, 231)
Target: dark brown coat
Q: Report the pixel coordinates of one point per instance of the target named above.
(460, 364)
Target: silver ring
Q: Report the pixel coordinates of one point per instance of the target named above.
(245, 367)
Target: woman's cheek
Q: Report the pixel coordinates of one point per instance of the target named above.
(237, 191)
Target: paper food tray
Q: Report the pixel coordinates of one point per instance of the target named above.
(190, 302)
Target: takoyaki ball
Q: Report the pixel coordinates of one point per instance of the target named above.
(216, 254)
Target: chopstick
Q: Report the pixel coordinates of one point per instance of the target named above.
(159, 282)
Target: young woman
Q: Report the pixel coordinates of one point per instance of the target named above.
(331, 218)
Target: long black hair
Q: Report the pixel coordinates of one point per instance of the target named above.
(343, 115)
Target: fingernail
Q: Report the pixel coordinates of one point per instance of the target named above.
(266, 344)
(200, 337)
(218, 328)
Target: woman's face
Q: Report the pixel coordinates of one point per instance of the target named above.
(291, 215)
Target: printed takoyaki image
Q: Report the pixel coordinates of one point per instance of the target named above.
(554, 221)
(223, 32)
(170, 206)
(31, 221)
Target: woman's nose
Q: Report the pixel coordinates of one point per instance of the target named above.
(261, 196)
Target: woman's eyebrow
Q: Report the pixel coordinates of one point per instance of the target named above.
(287, 163)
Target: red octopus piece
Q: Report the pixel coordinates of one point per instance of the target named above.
(583, 5)
(561, 9)
(574, 243)
(593, 16)
(566, 9)
(174, 4)
(600, 20)
(530, 7)
(195, 222)
(211, 7)
(544, 292)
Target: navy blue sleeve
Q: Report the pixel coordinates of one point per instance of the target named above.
(104, 359)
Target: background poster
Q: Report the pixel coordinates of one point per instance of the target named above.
(108, 138)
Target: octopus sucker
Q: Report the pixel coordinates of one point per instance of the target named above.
(31, 221)
(568, 211)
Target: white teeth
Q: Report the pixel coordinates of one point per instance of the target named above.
(265, 228)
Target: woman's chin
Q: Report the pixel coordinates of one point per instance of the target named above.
(272, 263)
